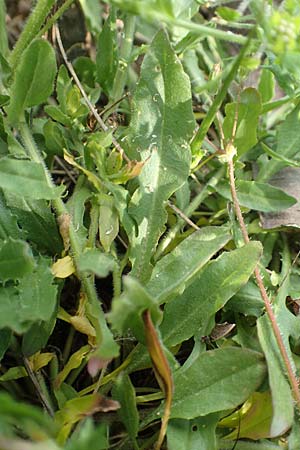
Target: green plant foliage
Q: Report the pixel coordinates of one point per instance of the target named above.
(218, 389)
(159, 135)
(34, 78)
(140, 293)
(216, 283)
(26, 178)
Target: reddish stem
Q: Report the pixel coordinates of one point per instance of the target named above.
(290, 372)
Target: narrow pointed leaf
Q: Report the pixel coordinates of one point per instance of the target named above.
(258, 196)
(175, 271)
(215, 285)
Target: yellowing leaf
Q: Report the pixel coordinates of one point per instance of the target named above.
(39, 360)
(83, 325)
(14, 373)
(63, 267)
(253, 420)
(74, 362)
(78, 408)
(162, 372)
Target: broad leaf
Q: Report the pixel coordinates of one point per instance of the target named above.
(158, 133)
(8, 221)
(34, 78)
(258, 196)
(214, 286)
(93, 260)
(32, 300)
(217, 380)
(175, 271)
(37, 222)
(26, 178)
(16, 259)
(196, 434)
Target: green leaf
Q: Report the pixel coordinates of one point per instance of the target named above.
(107, 53)
(8, 221)
(37, 336)
(32, 300)
(127, 309)
(175, 271)
(89, 435)
(257, 196)
(37, 222)
(229, 14)
(288, 144)
(215, 285)
(159, 135)
(124, 392)
(216, 382)
(248, 445)
(93, 260)
(253, 420)
(248, 109)
(92, 12)
(108, 222)
(196, 434)
(266, 85)
(76, 208)
(26, 178)
(3, 33)
(25, 416)
(5, 337)
(282, 398)
(34, 78)
(247, 301)
(16, 260)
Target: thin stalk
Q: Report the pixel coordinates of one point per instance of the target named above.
(84, 95)
(61, 209)
(31, 29)
(211, 114)
(125, 53)
(290, 373)
(68, 344)
(41, 394)
(55, 17)
(188, 212)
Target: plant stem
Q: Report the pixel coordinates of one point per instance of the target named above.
(31, 29)
(42, 396)
(60, 207)
(188, 212)
(211, 114)
(290, 373)
(55, 17)
(87, 100)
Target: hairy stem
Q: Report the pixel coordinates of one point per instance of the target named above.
(31, 29)
(290, 372)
